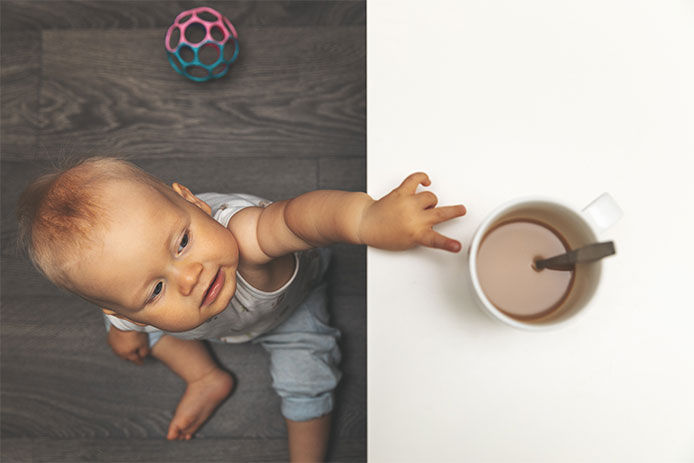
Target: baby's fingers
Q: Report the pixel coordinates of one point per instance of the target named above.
(138, 356)
(444, 213)
(436, 240)
(143, 351)
(410, 184)
(427, 199)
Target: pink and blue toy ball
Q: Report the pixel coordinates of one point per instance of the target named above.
(201, 44)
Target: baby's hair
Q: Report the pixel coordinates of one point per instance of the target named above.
(59, 212)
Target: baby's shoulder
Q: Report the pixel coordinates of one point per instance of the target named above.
(225, 205)
(244, 226)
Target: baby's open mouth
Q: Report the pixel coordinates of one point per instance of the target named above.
(214, 289)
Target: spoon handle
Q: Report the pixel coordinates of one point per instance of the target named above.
(568, 260)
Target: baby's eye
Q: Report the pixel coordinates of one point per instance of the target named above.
(157, 290)
(184, 242)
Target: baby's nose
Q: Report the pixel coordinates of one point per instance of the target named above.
(188, 277)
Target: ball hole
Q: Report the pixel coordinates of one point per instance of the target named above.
(175, 38)
(217, 33)
(207, 16)
(185, 18)
(229, 49)
(197, 71)
(186, 53)
(195, 32)
(229, 26)
(208, 54)
(174, 62)
(219, 70)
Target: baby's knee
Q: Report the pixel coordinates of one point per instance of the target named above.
(306, 379)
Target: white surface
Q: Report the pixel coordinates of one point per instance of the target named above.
(500, 99)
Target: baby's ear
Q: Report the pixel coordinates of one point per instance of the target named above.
(122, 317)
(191, 198)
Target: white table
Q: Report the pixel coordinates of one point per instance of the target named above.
(500, 99)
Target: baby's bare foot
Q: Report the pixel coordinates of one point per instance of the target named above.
(198, 402)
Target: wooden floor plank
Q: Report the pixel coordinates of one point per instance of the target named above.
(101, 14)
(342, 173)
(20, 73)
(347, 272)
(293, 92)
(148, 451)
(60, 379)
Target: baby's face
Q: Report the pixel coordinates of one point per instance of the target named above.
(164, 261)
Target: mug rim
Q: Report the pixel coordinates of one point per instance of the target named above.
(492, 310)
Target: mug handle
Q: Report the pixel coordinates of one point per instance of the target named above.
(603, 212)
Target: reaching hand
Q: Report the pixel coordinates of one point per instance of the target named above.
(404, 218)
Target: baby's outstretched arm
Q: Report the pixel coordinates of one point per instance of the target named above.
(398, 221)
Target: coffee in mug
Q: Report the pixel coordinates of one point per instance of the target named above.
(507, 275)
(513, 237)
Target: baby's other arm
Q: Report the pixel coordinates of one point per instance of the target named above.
(129, 345)
(398, 221)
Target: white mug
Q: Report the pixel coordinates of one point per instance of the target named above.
(580, 228)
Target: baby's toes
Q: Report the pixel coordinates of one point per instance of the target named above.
(173, 433)
(178, 430)
(189, 430)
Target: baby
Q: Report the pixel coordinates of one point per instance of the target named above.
(169, 268)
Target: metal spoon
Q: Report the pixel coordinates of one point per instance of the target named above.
(569, 260)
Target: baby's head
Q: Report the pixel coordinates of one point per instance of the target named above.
(61, 213)
(119, 237)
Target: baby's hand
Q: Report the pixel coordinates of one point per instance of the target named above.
(404, 218)
(130, 345)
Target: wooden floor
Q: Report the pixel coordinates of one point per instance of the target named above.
(91, 78)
